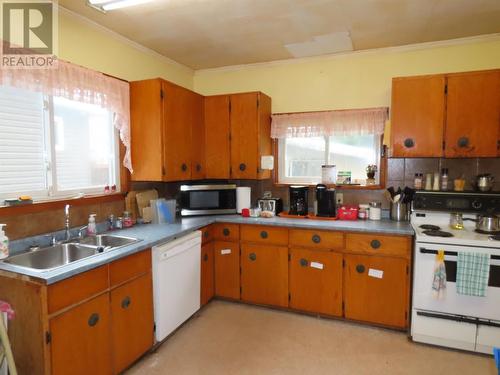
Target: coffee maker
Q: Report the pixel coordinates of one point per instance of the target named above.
(298, 200)
(325, 201)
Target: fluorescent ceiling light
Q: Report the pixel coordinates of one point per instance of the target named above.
(105, 5)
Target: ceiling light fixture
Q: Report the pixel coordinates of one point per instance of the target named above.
(105, 5)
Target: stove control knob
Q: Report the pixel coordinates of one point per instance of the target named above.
(477, 205)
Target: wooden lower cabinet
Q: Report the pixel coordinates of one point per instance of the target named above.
(264, 274)
(376, 289)
(80, 342)
(316, 281)
(132, 323)
(227, 269)
(207, 273)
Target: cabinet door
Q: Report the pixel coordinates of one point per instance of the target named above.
(217, 130)
(146, 130)
(376, 289)
(316, 281)
(131, 321)
(80, 341)
(198, 168)
(207, 273)
(473, 114)
(244, 136)
(264, 274)
(227, 269)
(177, 109)
(417, 123)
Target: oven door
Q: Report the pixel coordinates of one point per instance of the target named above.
(487, 307)
(208, 200)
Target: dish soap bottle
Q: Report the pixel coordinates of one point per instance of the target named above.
(4, 243)
(91, 227)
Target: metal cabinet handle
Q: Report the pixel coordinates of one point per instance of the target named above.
(252, 256)
(126, 302)
(264, 234)
(303, 262)
(198, 167)
(375, 244)
(205, 257)
(316, 238)
(409, 142)
(184, 167)
(93, 319)
(206, 234)
(463, 142)
(243, 166)
(360, 268)
(225, 232)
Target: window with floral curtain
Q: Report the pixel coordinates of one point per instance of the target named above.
(349, 139)
(59, 131)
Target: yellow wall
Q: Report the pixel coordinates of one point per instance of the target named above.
(349, 81)
(84, 44)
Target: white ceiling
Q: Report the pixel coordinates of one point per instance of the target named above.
(214, 33)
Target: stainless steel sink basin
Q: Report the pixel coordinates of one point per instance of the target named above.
(53, 256)
(108, 241)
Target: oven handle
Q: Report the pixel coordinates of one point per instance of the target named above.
(459, 318)
(423, 250)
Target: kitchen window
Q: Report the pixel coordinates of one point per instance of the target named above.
(300, 159)
(52, 147)
(349, 139)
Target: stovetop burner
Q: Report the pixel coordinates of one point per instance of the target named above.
(495, 233)
(429, 227)
(437, 233)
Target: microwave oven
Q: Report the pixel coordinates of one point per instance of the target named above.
(208, 199)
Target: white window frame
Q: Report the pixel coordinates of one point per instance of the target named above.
(51, 192)
(283, 179)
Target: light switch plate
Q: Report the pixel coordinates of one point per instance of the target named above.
(267, 162)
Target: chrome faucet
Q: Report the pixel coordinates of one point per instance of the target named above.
(67, 233)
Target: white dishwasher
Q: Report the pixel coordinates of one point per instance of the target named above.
(176, 282)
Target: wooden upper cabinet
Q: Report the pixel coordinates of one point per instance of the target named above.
(167, 132)
(417, 121)
(177, 131)
(146, 119)
(473, 114)
(217, 142)
(198, 167)
(250, 119)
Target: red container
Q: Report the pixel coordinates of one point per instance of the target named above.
(347, 213)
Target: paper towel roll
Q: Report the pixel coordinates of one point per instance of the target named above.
(243, 194)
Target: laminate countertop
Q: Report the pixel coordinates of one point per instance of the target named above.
(154, 234)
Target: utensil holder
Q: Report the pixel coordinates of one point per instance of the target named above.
(399, 211)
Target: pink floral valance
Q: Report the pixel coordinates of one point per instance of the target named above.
(76, 83)
(328, 123)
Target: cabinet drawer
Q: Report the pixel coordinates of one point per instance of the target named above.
(226, 232)
(206, 234)
(264, 234)
(129, 267)
(77, 288)
(378, 244)
(316, 239)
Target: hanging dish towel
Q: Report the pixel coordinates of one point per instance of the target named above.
(439, 280)
(473, 273)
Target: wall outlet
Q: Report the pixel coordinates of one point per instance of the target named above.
(340, 198)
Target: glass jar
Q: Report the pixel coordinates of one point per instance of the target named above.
(363, 211)
(127, 220)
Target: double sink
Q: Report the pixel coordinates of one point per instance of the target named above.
(62, 254)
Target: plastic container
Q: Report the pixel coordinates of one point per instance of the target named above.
(363, 211)
(347, 213)
(444, 179)
(375, 212)
(91, 227)
(4, 243)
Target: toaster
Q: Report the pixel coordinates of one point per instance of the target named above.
(274, 205)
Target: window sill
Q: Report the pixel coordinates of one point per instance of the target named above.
(56, 204)
(338, 187)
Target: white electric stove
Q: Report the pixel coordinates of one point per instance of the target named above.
(454, 320)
